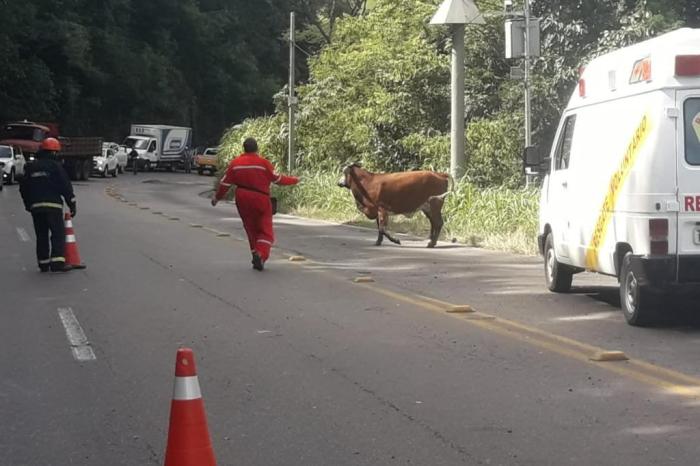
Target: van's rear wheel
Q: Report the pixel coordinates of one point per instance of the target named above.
(637, 301)
(557, 275)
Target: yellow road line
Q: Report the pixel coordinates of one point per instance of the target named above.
(642, 365)
(667, 380)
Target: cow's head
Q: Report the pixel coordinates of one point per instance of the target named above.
(346, 179)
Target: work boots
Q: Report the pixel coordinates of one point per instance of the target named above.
(258, 263)
(61, 267)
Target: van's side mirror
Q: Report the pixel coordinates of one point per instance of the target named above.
(534, 159)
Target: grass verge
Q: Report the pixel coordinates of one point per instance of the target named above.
(494, 218)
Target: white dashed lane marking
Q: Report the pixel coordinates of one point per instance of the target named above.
(23, 235)
(80, 346)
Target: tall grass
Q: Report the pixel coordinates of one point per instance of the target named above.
(495, 218)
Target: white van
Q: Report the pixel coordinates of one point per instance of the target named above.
(621, 191)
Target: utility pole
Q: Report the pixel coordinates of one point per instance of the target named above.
(292, 100)
(528, 126)
(523, 41)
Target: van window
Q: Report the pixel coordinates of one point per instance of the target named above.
(152, 148)
(691, 116)
(561, 158)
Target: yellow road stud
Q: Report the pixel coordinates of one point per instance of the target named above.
(297, 259)
(173, 218)
(460, 309)
(604, 356)
(196, 225)
(222, 234)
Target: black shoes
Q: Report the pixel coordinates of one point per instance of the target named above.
(257, 262)
(61, 268)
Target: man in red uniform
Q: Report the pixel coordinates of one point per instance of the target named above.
(252, 175)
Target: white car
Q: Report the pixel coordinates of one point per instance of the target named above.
(106, 164)
(12, 163)
(119, 153)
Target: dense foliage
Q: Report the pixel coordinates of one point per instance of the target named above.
(379, 92)
(95, 66)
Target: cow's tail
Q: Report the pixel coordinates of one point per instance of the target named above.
(450, 187)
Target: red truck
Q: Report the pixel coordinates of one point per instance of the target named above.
(76, 153)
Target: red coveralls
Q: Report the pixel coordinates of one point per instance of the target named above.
(252, 176)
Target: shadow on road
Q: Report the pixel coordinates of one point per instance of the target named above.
(677, 312)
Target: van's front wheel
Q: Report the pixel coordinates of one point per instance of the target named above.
(636, 301)
(558, 276)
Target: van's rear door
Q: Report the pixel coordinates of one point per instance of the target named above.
(688, 144)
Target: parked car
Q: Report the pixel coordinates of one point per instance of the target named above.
(207, 161)
(106, 164)
(119, 153)
(13, 163)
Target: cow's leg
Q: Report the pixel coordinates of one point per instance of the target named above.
(383, 220)
(380, 234)
(425, 208)
(436, 222)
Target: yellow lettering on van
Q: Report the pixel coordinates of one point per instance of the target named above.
(616, 182)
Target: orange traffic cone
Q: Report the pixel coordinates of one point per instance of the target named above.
(71, 251)
(188, 436)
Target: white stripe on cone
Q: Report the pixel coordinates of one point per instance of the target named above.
(186, 389)
(70, 238)
(69, 223)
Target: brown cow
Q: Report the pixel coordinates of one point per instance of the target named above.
(379, 195)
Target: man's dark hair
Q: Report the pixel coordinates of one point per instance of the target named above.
(250, 145)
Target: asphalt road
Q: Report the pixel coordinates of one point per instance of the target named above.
(301, 365)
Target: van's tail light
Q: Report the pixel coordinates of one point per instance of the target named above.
(658, 236)
(687, 65)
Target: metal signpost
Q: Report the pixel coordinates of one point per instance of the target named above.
(457, 13)
(522, 41)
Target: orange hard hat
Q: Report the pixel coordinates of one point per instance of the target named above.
(51, 144)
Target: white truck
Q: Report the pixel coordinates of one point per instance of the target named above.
(621, 191)
(158, 146)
